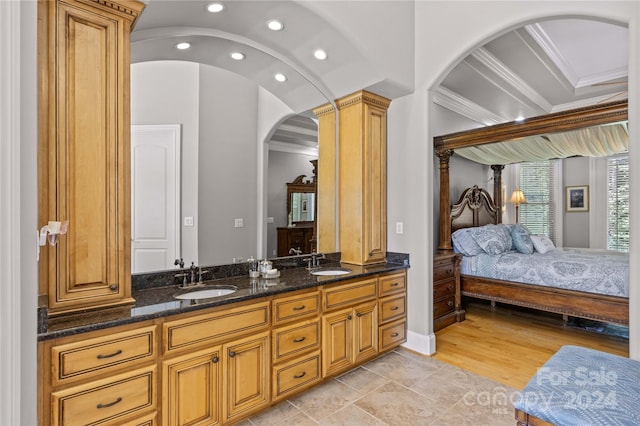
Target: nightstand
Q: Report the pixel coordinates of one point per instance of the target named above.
(447, 306)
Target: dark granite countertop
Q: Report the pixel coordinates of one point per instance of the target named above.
(159, 301)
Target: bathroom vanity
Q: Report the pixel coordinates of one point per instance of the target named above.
(215, 361)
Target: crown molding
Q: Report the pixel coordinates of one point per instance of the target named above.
(292, 148)
(505, 73)
(549, 47)
(463, 106)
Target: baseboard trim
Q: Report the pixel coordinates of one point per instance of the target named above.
(423, 344)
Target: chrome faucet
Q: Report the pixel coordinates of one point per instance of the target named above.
(297, 251)
(193, 269)
(316, 257)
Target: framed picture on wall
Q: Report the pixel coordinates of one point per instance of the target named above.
(577, 198)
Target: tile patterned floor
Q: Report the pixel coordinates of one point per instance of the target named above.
(399, 388)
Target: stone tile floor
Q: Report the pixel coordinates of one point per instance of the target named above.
(399, 388)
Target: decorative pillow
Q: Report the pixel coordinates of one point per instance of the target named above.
(542, 243)
(464, 243)
(494, 239)
(521, 237)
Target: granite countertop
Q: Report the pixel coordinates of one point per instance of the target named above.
(159, 301)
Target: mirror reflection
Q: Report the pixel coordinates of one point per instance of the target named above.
(302, 207)
(221, 169)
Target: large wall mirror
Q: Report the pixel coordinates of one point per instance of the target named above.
(218, 116)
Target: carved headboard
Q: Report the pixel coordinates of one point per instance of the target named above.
(474, 208)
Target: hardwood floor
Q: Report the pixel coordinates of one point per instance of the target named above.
(509, 344)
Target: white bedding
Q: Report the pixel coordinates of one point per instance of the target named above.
(594, 271)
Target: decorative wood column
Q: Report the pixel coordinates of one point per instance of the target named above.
(362, 178)
(445, 201)
(497, 188)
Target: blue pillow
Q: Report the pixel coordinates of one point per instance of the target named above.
(464, 243)
(521, 237)
(493, 239)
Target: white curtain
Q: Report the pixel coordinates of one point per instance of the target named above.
(600, 141)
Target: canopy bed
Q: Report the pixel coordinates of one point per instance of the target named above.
(476, 208)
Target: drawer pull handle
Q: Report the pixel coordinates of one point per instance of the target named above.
(450, 287)
(113, 287)
(215, 359)
(394, 334)
(349, 317)
(300, 376)
(232, 354)
(302, 339)
(111, 404)
(450, 303)
(395, 284)
(358, 314)
(395, 308)
(118, 352)
(449, 271)
(299, 308)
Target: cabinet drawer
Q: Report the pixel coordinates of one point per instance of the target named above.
(295, 339)
(296, 375)
(391, 284)
(106, 401)
(443, 272)
(443, 306)
(295, 307)
(349, 294)
(392, 334)
(447, 288)
(392, 308)
(80, 359)
(204, 329)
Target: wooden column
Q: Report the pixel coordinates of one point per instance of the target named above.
(497, 188)
(445, 202)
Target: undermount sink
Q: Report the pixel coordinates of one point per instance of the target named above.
(331, 271)
(208, 293)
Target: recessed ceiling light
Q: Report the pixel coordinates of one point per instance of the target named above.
(280, 77)
(320, 54)
(182, 46)
(275, 25)
(215, 7)
(238, 56)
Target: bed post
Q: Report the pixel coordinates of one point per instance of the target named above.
(445, 203)
(497, 188)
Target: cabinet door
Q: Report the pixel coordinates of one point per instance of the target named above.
(337, 341)
(191, 389)
(246, 376)
(365, 324)
(86, 179)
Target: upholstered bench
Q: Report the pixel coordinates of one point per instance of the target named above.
(580, 386)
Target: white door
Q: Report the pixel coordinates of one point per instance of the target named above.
(155, 197)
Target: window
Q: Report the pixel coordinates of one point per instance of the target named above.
(618, 203)
(537, 182)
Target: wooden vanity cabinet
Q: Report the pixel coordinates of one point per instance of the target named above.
(349, 325)
(295, 343)
(223, 364)
(83, 153)
(392, 292)
(107, 377)
(229, 378)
